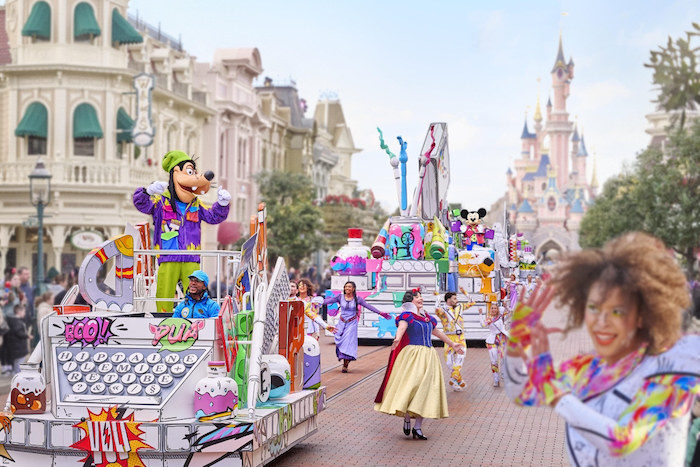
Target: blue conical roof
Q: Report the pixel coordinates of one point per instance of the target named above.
(582, 148)
(525, 207)
(526, 133)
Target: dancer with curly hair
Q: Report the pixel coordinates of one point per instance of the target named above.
(628, 401)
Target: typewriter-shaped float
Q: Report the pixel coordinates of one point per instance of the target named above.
(112, 385)
(428, 247)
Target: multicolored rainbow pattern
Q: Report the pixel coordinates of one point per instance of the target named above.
(661, 398)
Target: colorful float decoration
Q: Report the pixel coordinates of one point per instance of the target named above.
(114, 383)
(427, 246)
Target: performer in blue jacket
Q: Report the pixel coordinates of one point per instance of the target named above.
(197, 304)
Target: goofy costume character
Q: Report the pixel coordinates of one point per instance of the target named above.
(177, 214)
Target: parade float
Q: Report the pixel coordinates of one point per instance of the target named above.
(114, 384)
(427, 246)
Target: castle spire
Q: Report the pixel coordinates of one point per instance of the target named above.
(594, 175)
(560, 62)
(575, 138)
(538, 112)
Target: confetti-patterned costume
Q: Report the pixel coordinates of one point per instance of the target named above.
(634, 412)
(495, 341)
(451, 318)
(312, 321)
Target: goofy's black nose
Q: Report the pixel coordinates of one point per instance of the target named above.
(209, 175)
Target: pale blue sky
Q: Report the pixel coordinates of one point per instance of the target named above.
(400, 65)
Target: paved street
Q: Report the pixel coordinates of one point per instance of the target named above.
(484, 428)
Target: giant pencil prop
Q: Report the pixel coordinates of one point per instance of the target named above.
(424, 161)
(254, 383)
(403, 158)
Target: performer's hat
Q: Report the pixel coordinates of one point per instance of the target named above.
(200, 276)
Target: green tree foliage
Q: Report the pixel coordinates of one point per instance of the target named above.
(677, 74)
(293, 221)
(615, 212)
(669, 191)
(660, 195)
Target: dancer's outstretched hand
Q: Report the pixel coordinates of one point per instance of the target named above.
(526, 316)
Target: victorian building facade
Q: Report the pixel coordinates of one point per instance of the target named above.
(548, 190)
(66, 96)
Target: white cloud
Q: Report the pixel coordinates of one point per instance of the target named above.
(463, 135)
(597, 95)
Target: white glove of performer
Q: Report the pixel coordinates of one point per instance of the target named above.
(224, 197)
(156, 188)
(317, 300)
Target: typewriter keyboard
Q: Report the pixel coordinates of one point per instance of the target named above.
(121, 375)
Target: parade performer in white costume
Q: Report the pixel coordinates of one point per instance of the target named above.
(627, 402)
(496, 340)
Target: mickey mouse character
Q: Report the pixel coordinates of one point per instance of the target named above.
(177, 216)
(472, 228)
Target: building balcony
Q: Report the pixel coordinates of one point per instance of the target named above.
(112, 175)
(47, 54)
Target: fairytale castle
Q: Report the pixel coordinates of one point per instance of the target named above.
(548, 191)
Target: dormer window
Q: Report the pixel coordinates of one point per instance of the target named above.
(85, 27)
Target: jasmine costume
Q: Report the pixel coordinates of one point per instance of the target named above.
(346, 329)
(634, 412)
(413, 382)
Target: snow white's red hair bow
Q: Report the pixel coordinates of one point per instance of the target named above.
(416, 290)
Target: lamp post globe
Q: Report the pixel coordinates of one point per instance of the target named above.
(40, 196)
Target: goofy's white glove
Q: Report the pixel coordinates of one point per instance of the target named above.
(156, 188)
(224, 197)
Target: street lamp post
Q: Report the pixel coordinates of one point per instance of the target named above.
(40, 196)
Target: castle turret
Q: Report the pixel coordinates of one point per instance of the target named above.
(558, 125)
(528, 142)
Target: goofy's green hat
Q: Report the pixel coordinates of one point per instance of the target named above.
(173, 158)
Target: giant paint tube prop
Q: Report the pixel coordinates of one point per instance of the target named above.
(437, 246)
(379, 246)
(254, 382)
(403, 158)
(394, 161)
(424, 161)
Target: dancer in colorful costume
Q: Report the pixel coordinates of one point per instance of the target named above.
(177, 217)
(346, 331)
(512, 285)
(450, 314)
(627, 402)
(496, 340)
(413, 385)
(312, 321)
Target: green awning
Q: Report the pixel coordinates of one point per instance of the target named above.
(39, 22)
(35, 121)
(122, 31)
(85, 122)
(84, 21)
(124, 122)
